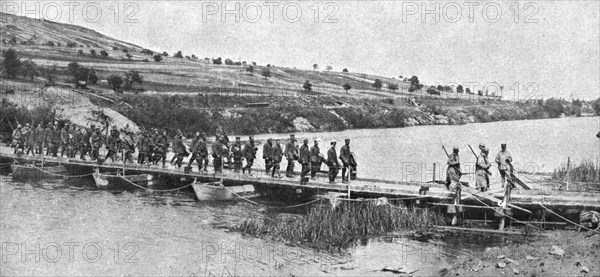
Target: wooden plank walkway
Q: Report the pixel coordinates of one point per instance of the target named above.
(372, 187)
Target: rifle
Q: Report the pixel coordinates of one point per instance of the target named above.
(444, 147)
(473, 151)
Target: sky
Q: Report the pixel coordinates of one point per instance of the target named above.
(533, 49)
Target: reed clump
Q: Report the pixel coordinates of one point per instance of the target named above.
(326, 228)
(586, 171)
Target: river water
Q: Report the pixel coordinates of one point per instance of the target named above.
(69, 228)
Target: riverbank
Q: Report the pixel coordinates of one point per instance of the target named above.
(558, 253)
(323, 113)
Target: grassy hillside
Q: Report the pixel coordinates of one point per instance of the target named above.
(194, 94)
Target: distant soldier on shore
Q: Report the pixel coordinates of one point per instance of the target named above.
(290, 155)
(332, 162)
(17, 138)
(345, 158)
(315, 159)
(267, 152)
(39, 139)
(276, 156)
(249, 153)
(453, 172)
(304, 160)
(482, 179)
(503, 159)
(30, 141)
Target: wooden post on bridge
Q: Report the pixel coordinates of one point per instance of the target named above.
(505, 210)
(568, 169)
(434, 172)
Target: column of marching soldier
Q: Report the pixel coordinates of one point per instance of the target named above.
(152, 147)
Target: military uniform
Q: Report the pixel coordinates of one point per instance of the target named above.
(304, 160)
(52, 139)
(217, 153)
(249, 153)
(276, 156)
(482, 180)
(161, 148)
(179, 149)
(345, 158)
(17, 137)
(332, 162)
(315, 160)
(30, 145)
(267, 152)
(503, 159)
(96, 142)
(39, 139)
(290, 155)
(64, 139)
(453, 172)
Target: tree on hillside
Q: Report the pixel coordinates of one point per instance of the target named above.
(265, 73)
(158, 58)
(480, 92)
(93, 52)
(400, 77)
(307, 86)
(125, 50)
(460, 89)
(433, 90)
(49, 43)
(347, 87)
(165, 54)
(80, 52)
(132, 77)
(29, 68)
(440, 87)
(328, 68)
(217, 61)
(11, 63)
(178, 55)
(345, 70)
(115, 82)
(315, 66)
(228, 61)
(414, 84)
(72, 68)
(377, 84)
(71, 44)
(115, 48)
(392, 87)
(81, 73)
(194, 57)
(250, 69)
(254, 63)
(104, 53)
(468, 91)
(148, 52)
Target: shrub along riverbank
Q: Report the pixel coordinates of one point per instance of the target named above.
(323, 113)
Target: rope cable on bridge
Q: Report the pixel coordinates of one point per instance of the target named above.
(578, 225)
(502, 213)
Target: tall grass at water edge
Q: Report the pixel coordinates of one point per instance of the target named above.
(326, 228)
